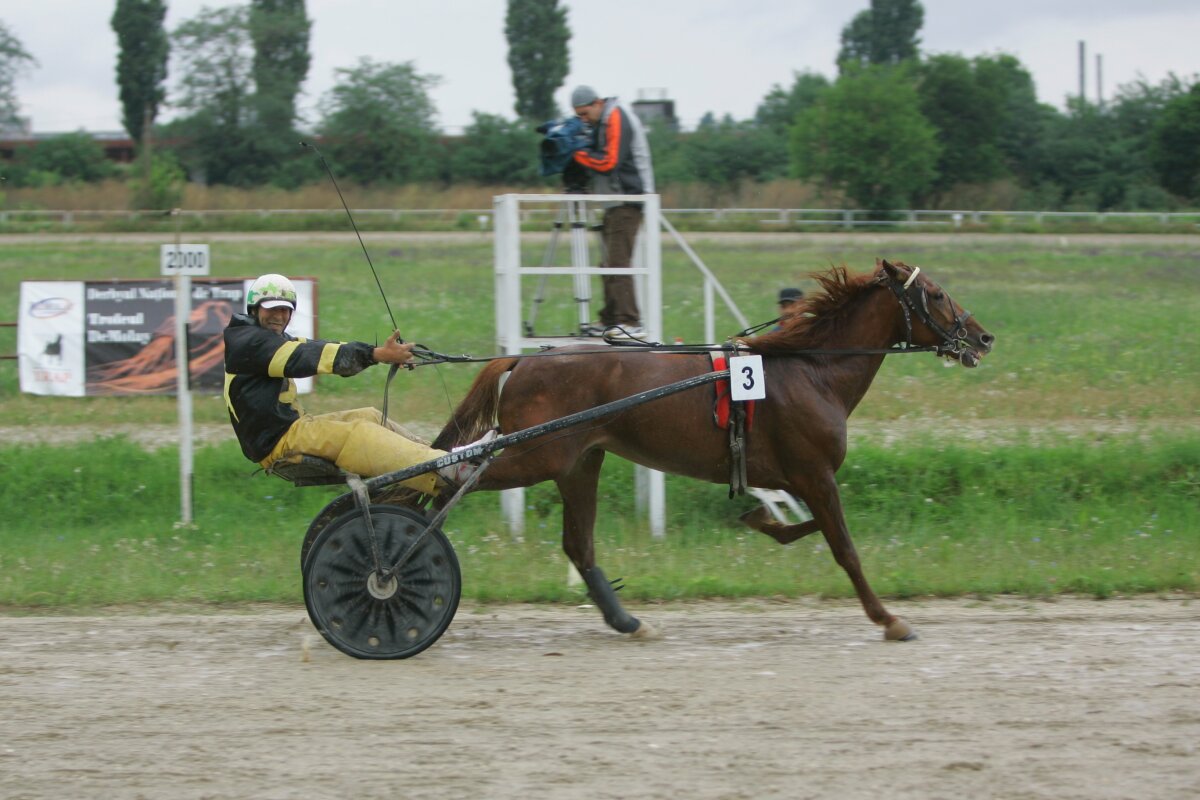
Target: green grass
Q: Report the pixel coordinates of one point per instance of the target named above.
(971, 497)
(1095, 517)
(1085, 332)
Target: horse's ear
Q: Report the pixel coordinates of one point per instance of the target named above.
(891, 269)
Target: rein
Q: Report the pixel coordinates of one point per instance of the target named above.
(429, 357)
(953, 341)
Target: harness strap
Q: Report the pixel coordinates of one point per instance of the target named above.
(737, 436)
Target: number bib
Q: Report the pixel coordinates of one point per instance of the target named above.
(747, 381)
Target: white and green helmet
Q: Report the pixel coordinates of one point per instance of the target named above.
(271, 291)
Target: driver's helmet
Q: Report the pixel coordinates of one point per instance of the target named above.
(271, 291)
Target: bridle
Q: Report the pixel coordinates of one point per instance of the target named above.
(954, 342)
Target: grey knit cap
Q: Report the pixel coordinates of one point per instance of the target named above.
(583, 96)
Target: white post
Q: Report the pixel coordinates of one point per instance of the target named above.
(509, 332)
(710, 325)
(651, 306)
(506, 229)
(651, 299)
(183, 392)
(182, 261)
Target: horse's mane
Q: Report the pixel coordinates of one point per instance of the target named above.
(820, 317)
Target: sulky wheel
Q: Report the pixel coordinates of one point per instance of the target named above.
(334, 509)
(396, 615)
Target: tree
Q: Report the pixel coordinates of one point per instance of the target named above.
(379, 122)
(780, 106)
(966, 113)
(1081, 161)
(495, 151)
(215, 64)
(723, 154)
(141, 63)
(279, 30)
(866, 138)
(1175, 148)
(1022, 118)
(886, 33)
(537, 36)
(215, 67)
(775, 115)
(14, 60)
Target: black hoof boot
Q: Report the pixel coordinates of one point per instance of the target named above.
(602, 594)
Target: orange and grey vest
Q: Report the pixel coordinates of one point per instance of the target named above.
(620, 160)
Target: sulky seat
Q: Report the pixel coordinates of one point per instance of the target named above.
(304, 470)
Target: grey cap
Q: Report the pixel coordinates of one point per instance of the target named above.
(790, 295)
(583, 96)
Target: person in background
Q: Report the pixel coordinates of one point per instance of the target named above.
(619, 163)
(261, 362)
(790, 304)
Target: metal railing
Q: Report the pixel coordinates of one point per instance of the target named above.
(785, 218)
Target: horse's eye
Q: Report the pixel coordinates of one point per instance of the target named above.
(939, 296)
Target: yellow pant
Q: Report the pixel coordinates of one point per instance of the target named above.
(357, 442)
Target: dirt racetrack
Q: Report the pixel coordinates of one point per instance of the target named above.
(799, 699)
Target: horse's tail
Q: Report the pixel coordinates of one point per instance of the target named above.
(476, 414)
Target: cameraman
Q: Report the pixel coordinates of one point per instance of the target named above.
(619, 163)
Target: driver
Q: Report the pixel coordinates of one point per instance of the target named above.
(261, 361)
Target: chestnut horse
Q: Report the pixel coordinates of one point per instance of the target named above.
(798, 438)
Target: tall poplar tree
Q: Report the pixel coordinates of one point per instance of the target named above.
(537, 36)
(141, 63)
(14, 60)
(884, 34)
(279, 30)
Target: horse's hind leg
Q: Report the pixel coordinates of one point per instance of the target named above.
(827, 512)
(759, 519)
(578, 490)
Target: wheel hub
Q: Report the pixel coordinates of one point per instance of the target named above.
(382, 587)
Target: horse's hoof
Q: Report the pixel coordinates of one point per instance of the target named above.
(898, 630)
(646, 632)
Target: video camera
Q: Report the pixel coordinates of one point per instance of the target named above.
(562, 137)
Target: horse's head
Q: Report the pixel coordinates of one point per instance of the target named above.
(932, 318)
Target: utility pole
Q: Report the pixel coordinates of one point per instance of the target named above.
(1082, 71)
(1100, 80)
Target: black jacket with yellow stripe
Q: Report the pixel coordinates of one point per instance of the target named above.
(259, 367)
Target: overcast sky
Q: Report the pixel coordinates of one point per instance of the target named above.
(707, 55)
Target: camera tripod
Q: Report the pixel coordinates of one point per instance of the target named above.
(573, 214)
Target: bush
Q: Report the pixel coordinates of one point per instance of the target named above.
(72, 157)
(162, 188)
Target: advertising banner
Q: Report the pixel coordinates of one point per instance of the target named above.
(50, 338)
(96, 338)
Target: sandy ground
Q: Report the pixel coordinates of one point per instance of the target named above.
(799, 699)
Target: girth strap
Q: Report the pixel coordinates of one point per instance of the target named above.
(737, 431)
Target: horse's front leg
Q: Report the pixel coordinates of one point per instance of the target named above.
(578, 490)
(826, 506)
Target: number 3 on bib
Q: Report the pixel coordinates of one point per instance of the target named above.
(746, 378)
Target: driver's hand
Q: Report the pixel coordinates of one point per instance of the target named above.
(394, 351)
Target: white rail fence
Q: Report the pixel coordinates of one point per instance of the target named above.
(481, 218)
